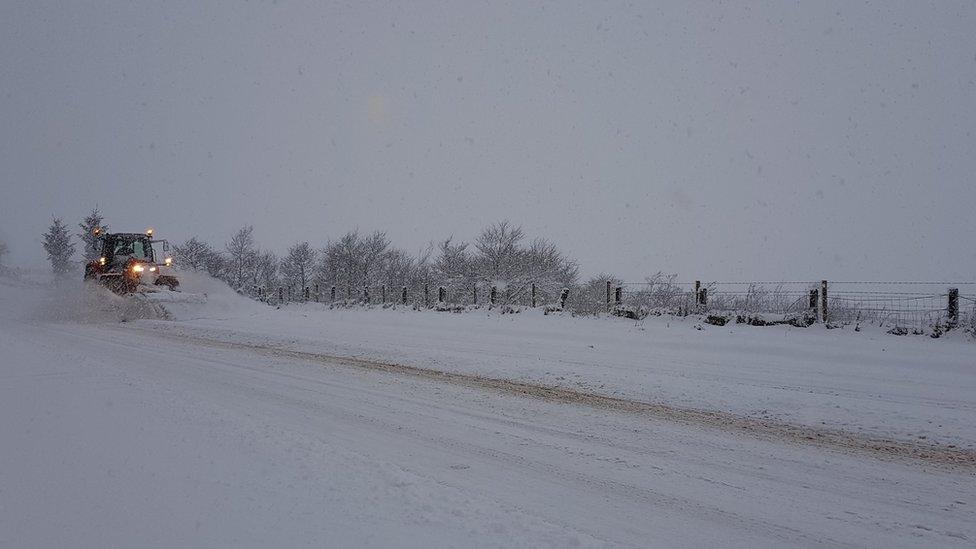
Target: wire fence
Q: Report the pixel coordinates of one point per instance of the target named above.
(903, 307)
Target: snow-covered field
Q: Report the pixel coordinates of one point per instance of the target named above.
(236, 424)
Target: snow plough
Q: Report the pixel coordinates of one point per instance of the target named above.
(127, 263)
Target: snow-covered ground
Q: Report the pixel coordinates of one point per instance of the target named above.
(907, 388)
(150, 433)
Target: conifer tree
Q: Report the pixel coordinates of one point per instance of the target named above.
(59, 247)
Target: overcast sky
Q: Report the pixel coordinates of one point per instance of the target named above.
(731, 141)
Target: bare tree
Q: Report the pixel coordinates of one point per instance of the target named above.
(498, 248)
(341, 263)
(375, 249)
(265, 272)
(241, 255)
(194, 254)
(453, 268)
(298, 265)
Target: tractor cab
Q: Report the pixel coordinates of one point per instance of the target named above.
(128, 260)
(120, 248)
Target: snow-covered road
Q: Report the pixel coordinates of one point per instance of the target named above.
(115, 436)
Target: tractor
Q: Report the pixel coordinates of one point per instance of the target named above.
(127, 262)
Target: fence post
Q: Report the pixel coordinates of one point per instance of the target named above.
(703, 299)
(426, 296)
(441, 294)
(474, 294)
(608, 296)
(306, 293)
(383, 293)
(366, 294)
(281, 295)
(823, 301)
(563, 297)
(814, 297)
(288, 293)
(533, 294)
(492, 296)
(317, 295)
(404, 296)
(332, 295)
(618, 295)
(953, 309)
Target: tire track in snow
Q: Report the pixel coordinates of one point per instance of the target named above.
(881, 448)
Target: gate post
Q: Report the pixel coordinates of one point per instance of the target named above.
(952, 312)
(823, 300)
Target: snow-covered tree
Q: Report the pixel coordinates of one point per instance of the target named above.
(266, 271)
(342, 263)
(375, 249)
(3, 250)
(87, 235)
(59, 247)
(499, 252)
(591, 296)
(504, 262)
(241, 256)
(193, 254)
(399, 270)
(454, 270)
(297, 267)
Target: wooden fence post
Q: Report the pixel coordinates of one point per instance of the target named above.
(492, 296)
(404, 296)
(426, 296)
(533, 294)
(366, 294)
(306, 293)
(281, 295)
(952, 312)
(474, 294)
(332, 295)
(618, 295)
(288, 293)
(383, 293)
(698, 295)
(823, 301)
(441, 294)
(317, 296)
(608, 296)
(563, 297)
(814, 296)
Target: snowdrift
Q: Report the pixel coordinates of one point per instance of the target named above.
(72, 300)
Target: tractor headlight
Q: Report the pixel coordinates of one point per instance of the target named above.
(169, 261)
(152, 269)
(138, 268)
(101, 260)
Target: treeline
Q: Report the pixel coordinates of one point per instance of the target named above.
(501, 257)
